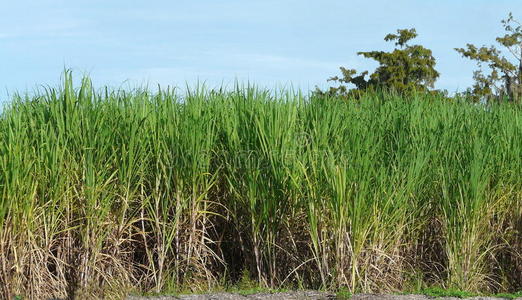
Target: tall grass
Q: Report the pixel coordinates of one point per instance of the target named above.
(106, 192)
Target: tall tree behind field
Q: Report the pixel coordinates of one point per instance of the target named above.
(406, 69)
(498, 77)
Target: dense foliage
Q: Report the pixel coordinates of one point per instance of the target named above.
(504, 80)
(411, 69)
(406, 70)
(137, 191)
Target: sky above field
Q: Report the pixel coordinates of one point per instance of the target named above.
(267, 42)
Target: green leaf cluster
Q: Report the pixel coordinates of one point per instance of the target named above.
(406, 69)
(498, 77)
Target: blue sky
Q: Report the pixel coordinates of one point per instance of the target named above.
(270, 43)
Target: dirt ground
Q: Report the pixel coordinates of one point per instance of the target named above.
(305, 295)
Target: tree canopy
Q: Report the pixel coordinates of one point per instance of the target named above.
(498, 77)
(406, 69)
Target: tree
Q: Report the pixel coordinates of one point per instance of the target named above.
(504, 77)
(406, 69)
